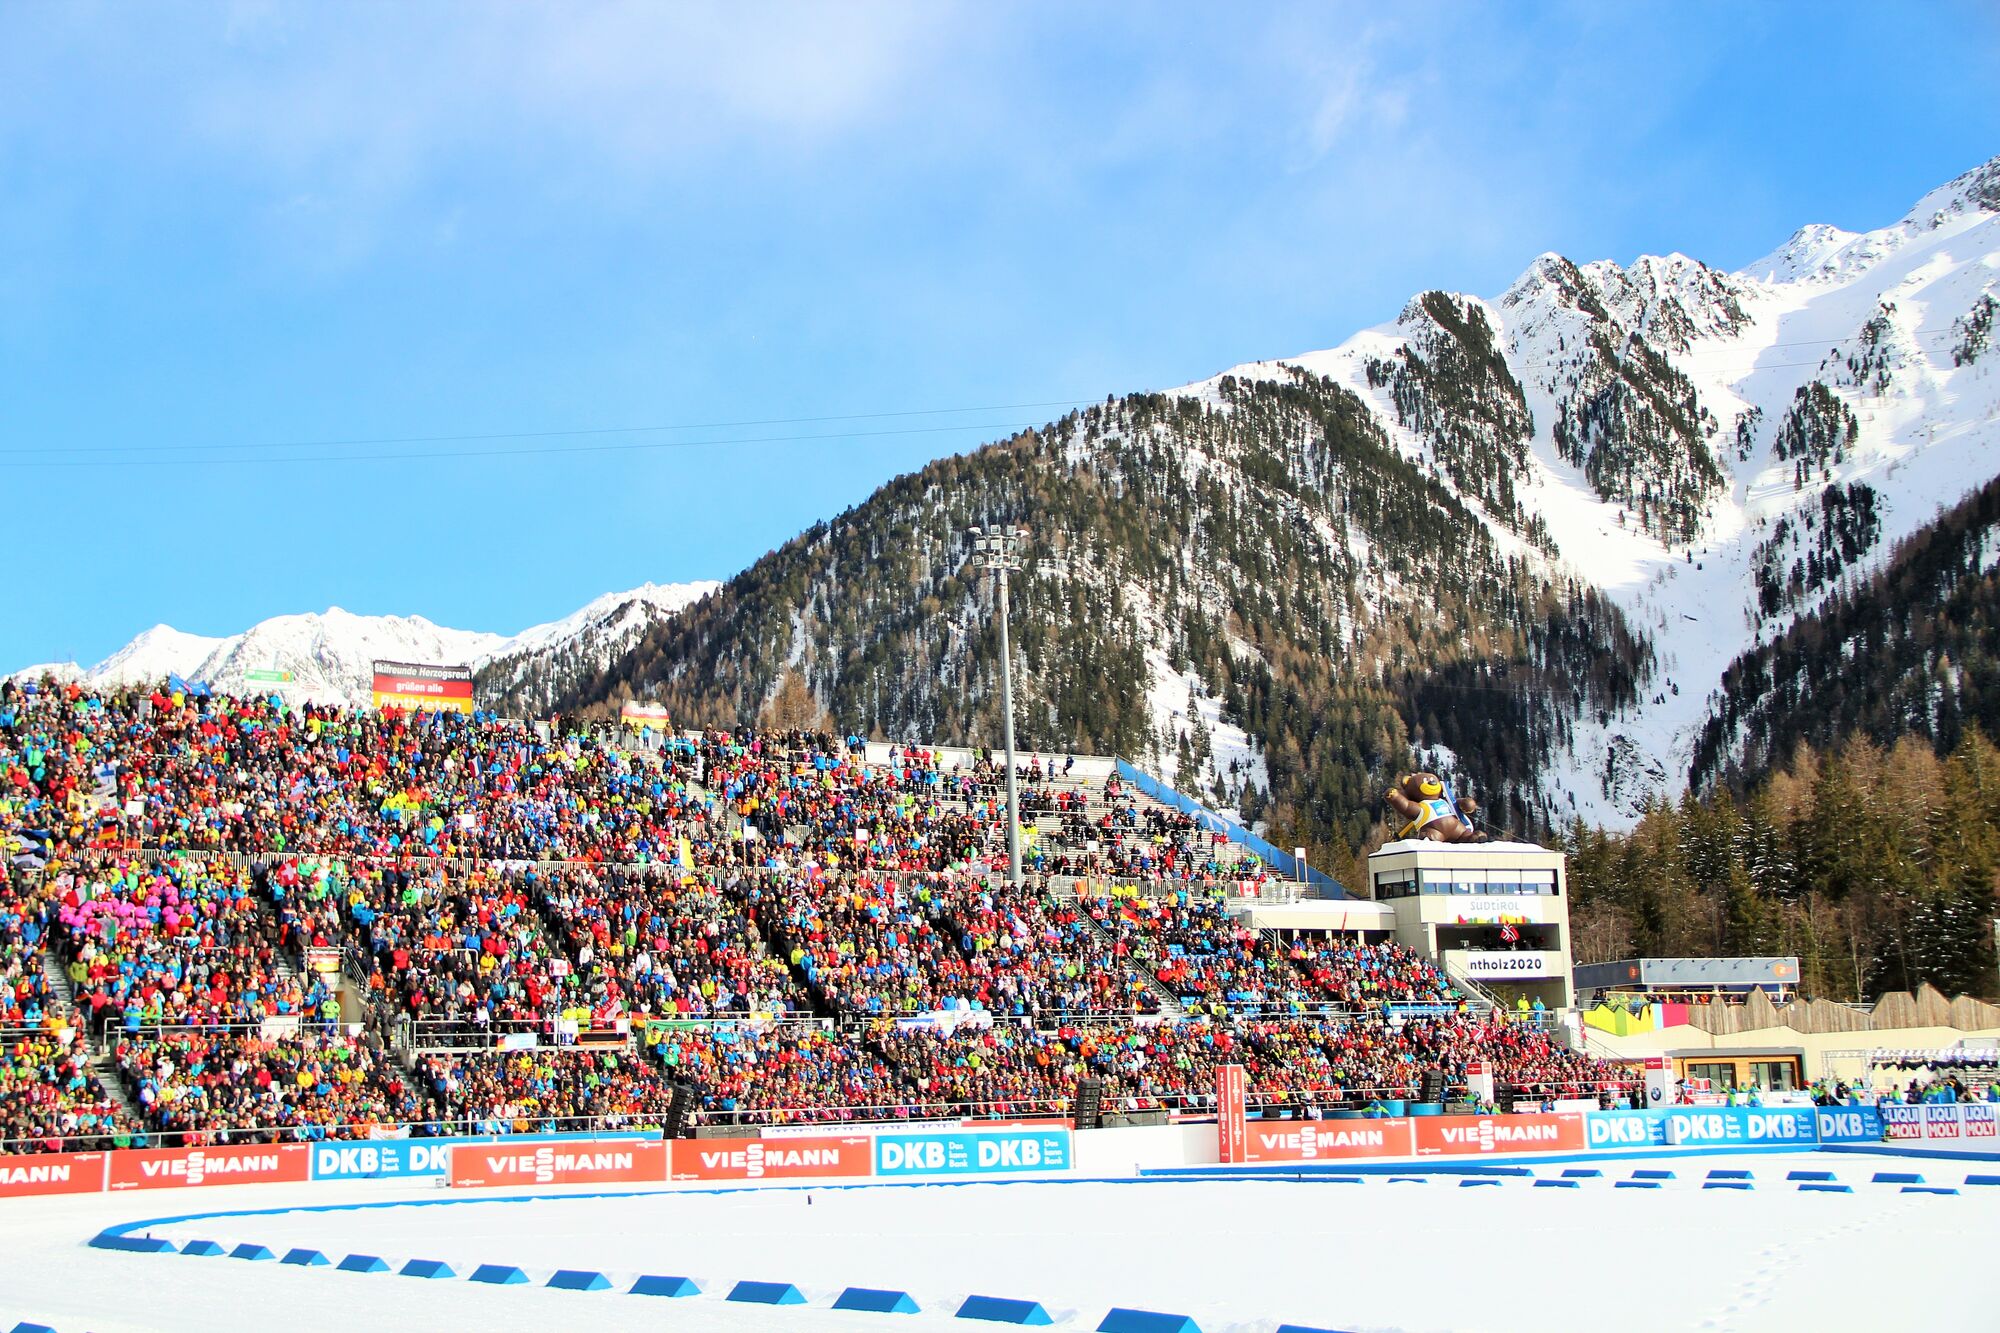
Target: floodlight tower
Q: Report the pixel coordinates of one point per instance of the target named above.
(999, 549)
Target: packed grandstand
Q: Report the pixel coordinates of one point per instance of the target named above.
(229, 920)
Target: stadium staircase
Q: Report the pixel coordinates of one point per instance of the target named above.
(1170, 1004)
(59, 988)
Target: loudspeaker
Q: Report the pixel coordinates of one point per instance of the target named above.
(1432, 1085)
(682, 1101)
(1089, 1110)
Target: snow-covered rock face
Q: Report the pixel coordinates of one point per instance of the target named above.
(330, 655)
(1719, 451)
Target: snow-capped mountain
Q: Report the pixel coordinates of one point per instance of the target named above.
(1717, 452)
(1523, 536)
(329, 655)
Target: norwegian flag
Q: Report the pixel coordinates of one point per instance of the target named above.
(1509, 934)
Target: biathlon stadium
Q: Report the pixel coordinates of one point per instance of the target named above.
(431, 1019)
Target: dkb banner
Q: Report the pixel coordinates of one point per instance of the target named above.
(1708, 1126)
(973, 1152)
(390, 1159)
(1849, 1124)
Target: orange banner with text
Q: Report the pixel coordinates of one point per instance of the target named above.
(617, 1162)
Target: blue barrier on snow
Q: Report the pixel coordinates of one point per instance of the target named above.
(136, 1244)
(499, 1275)
(363, 1263)
(874, 1300)
(202, 1249)
(579, 1279)
(766, 1293)
(654, 1285)
(428, 1268)
(305, 1258)
(249, 1251)
(1001, 1310)
(1121, 1320)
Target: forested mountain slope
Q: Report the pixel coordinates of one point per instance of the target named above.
(1246, 587)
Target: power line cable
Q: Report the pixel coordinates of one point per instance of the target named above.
(541, 434)
(511, 453)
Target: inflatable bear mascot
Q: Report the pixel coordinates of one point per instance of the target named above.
(1422, 801)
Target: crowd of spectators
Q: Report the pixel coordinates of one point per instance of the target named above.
(786, 1073)
(483, 877)
(203, 1087)
(50, 1101)
(518, 1092)
(174, 940)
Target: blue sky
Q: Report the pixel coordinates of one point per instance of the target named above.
(256, 225)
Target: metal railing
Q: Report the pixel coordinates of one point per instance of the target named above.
(493, 1125)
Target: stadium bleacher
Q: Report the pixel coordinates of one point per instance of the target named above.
(551, 927)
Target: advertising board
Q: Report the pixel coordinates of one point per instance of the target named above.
(579, 1163)
(394, 1159)
(1327, 1140)
(1946, 1123)
(1482, 1135)
(424, 685)
(973, 1153)
(1737, 1125)
(168, 1168)
(52, 1173)
(798, 1158)
(1848, 1124)
(1230, 1109)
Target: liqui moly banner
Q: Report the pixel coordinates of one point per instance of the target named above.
(1948, 1123)
(1230, 1109)
(52, 1173)
(818, 1157)
(602, 1163)
(1486, 1135)
(249, 1164)
(1902, 1122)
(1326, 1140)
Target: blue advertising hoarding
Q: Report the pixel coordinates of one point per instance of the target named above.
(392, 1159)
(1627, 1129)
(1710, 1126)
(1849, 1124)
(1732, 1126)
(973, 1152)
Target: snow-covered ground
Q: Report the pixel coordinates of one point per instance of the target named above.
(1236, 1256)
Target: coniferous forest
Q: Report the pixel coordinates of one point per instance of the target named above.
(1874, 864)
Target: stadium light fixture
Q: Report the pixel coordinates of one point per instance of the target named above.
(998, 549)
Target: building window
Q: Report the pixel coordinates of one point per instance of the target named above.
(1774, 1075)
(1721, 1077)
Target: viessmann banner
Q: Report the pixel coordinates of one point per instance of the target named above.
(52, 1173)
(395, 1159)
(1486, 1135)
(559, 1164)
(818, 1157)
(423, 685)
(170, 1168)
